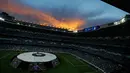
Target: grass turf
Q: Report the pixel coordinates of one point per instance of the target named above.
(68, 64)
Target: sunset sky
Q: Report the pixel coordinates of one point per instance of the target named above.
(92, 12)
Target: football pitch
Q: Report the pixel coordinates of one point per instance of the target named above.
(68, 64)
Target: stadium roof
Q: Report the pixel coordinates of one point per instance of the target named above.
(122, 4)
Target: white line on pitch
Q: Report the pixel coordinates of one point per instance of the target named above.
(5, 55)
(68, 61)
(79, 60)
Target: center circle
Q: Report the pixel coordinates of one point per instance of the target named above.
(36, 57)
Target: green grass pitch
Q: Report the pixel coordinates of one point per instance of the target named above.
(68, 64)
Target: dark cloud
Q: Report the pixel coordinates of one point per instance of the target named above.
(64, 12)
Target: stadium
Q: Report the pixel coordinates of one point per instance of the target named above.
(27, 47)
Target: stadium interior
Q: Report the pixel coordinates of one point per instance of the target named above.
(105, 47)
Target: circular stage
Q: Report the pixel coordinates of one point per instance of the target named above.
(36, 57)
(35, 61)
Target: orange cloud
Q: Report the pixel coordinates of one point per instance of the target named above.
(70, 24)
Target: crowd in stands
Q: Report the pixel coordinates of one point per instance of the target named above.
(103, 50)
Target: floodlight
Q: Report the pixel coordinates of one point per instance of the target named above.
(2, 19)
(123, 20)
